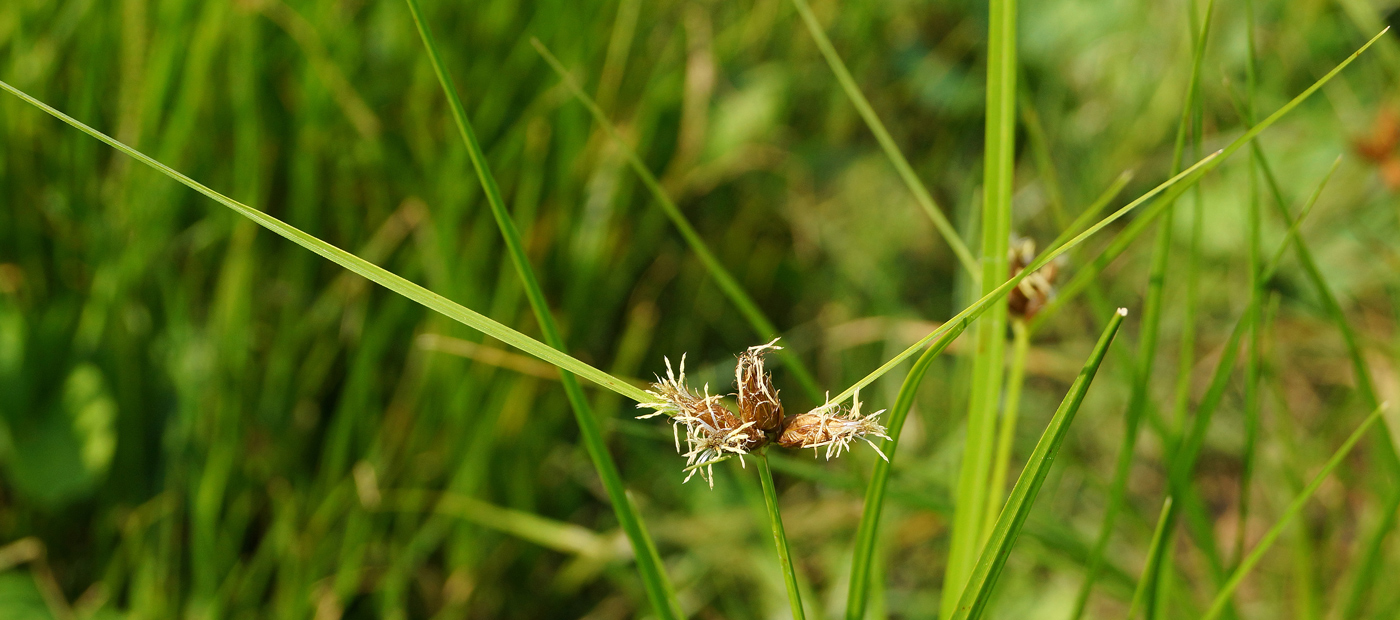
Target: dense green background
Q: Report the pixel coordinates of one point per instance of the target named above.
(198, 418)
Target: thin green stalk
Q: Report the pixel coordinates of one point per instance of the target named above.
(726, 281)
(998, 168)
(770, 497)
(866, 534)
(1149, 569)
(1151, 325)
(978, 593)
(1006, 433)
(364, 268)
(658, 586)
(1248, 563)
(872, 120)
(1251, 362)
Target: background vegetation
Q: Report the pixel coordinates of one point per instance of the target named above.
(200, 419)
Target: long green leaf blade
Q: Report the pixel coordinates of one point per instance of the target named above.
(370, 271)
(978, 592)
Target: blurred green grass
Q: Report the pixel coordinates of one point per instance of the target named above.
(200, 419)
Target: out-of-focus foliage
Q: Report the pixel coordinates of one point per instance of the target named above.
(200, 419)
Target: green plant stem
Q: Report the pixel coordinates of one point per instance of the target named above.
(775, 519)
(978, 593)
(660, 592)
(1294, 508)
(1006, 432)
(872, 120)
(726, 281)
(968, 530)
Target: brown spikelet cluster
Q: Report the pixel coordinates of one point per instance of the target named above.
(833, 427)
(1037, 289)
(713, 432)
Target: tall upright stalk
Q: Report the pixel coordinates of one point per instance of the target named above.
(658, 587)
(998, 168)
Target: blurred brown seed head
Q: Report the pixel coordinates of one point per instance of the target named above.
(1035, 290)
(758, 401)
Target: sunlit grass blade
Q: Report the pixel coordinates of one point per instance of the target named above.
(968, 532)
(1294, 508)
(1169, 189)
(872, 120)
(370, 271)
(978, 593)
(775, 520)
(660, 592)
(726, 281)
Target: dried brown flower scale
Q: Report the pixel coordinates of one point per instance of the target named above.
(1037, 289)
(714, 433)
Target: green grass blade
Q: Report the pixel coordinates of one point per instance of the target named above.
(770, 498)
(660, 592)
(872, 120)
(1169, 189)
(368, 270)
(968, 532)
(1294, 508)
(726, 281)
(866, 533)
(978, 592)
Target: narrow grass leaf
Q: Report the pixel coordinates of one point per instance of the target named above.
(1154, 550)
(882, 135)
(660, 593)
(978, 592)
(368, 270)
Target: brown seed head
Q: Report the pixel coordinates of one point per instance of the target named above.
(1036, 289)
(758, 401)
(834, 427)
